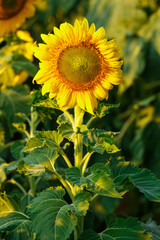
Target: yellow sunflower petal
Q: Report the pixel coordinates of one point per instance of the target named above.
(78, 65)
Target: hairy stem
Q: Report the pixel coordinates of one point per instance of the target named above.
(78, 143)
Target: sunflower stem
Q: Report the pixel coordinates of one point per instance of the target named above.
(78, 145)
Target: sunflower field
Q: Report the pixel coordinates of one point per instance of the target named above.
(79, 119)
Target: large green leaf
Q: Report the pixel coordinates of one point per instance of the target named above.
(143, 179)
(13, 219)
(98, 140)
(38, 161)
(52, 217)
(129, 229)
(50, 139)
(98, 181)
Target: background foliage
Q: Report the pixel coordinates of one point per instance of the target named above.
(136, 27)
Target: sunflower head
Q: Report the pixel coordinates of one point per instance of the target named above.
(14, 12)
(78, 65)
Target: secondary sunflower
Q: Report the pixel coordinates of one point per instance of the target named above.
(78, 65)
(14, 12)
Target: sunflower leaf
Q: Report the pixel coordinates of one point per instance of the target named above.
(48, 103)
(98, 181)
(50, 139)
(50, 211)
(38, 161)
(20, 63)
(99, 141)
(146, 182)
(13, 219)
(151, 227)
(104, 109)
(122, 229)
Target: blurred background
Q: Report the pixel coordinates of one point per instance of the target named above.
(135, 24)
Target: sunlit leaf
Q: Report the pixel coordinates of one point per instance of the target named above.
(98, 181)
(50, 139)
(104, 108)
(98, 140)
(13, 219)
(38, 161)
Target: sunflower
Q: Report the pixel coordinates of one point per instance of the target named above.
(78, 65)
(14, 12)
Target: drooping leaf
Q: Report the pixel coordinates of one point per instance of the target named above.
(38, 161)
(122, 229)
(50, 139)
(143, 179)
(13, 219)
(99, 141)
(48, 211)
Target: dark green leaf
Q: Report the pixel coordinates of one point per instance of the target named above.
(20, 63)
(48, 211)
(143, 179)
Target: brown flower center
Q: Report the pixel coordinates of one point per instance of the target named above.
(79, 65)
(10, 8)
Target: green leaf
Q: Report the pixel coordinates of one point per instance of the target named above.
(13, 219)
(16, 149)
(122, 229)
(99, 181)
(104, 108)
(50, 139)
(48, 211)
(65, 126)
(152, 228)
(14, 100)
(38, 161)
(81, 203)
(20, 63)
(48, 103)
(143, 179)
(73, 175)
(99, 141)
